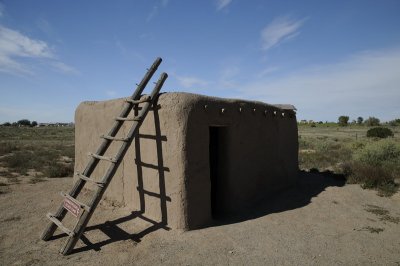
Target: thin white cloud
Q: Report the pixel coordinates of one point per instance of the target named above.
(127, 52)
(221, 4)
(279, 30)
(266, 71)
(44, 26)
(156, 9)
(8, 65)
(14, 47)
(64, 68)
(366, 84)
(228, 77)
(13, 43)
(164, 3)
(1, 10)
(189, 82)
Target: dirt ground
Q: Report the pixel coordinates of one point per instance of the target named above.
(320, 221)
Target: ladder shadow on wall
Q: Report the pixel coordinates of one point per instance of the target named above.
(111, 228)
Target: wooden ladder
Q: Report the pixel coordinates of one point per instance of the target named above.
(84, 211)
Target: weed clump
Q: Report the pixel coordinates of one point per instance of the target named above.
(8, 147)
(60, 170)
(20, 161)
(379, 132)
(375, 167)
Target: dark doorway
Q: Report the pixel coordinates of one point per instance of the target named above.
(218, 164)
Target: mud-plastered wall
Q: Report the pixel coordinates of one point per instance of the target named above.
(195, 157)
(150, 177)
(257, 151)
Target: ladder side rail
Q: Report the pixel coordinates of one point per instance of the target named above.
(84, 219)
(117, 124)
(79, 184)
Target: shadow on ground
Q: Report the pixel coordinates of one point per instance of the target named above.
(309, 185)
(115, 233)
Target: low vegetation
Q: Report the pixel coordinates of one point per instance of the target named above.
(353, 150)
(382, 214)
(374, 163)
(379, 132)
(34, 153)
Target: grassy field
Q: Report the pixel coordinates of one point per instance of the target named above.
(373, 163)
(30, 154)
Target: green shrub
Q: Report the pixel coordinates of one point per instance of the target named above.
(379, 132)
(376, 166)
(379, 153)
(368, 176)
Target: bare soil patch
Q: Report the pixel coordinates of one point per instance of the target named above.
(320, 221)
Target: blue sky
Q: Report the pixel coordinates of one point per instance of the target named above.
(328, 58)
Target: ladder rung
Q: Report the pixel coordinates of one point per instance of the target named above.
(102, 157)
(71, 202)
(59, 224)
(143, 99)
(114, 138)
(83, 206)
(83, 177)
(136, 118)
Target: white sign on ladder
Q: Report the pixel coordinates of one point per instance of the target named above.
(72, 207)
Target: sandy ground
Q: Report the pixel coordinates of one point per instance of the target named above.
(320, 221)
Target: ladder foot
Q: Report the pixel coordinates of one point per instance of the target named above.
(71, 204)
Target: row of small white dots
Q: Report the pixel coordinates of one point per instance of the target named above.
(223, 110)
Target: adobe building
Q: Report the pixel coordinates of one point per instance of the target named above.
(195, 158)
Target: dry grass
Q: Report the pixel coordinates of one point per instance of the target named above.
(326, 147)
(375, 230)
(38, 150)
(383, 214)
(372, 163)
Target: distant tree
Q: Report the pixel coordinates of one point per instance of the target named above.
(24, 122)
(343, 120)
(360, 120)
(7, 124)
(394, 123)
(372, 121)
(34, 124)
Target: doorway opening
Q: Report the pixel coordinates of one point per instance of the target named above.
(218, 171)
